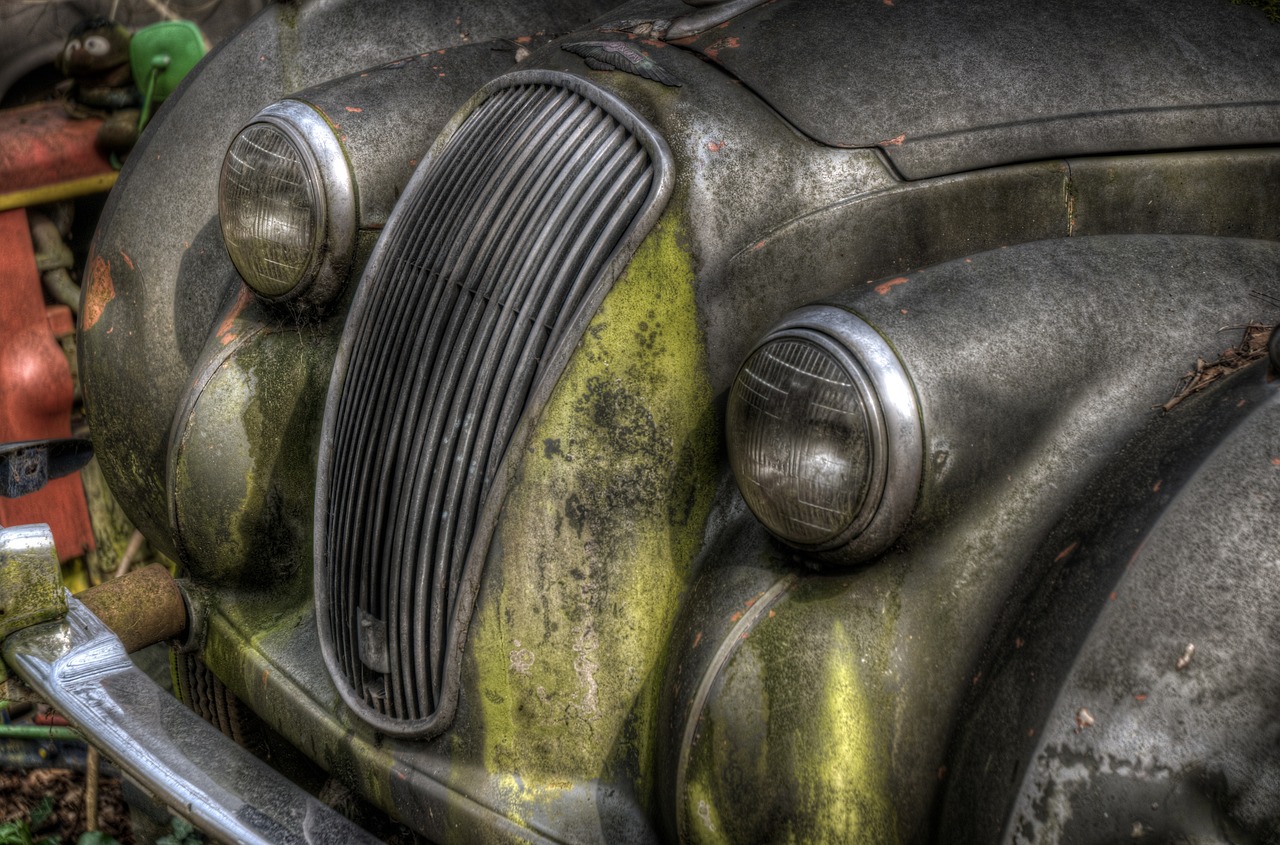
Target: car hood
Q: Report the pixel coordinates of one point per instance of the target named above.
(944, 86)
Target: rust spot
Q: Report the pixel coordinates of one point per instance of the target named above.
(1155, 488)
(697, 639)
(1019, 642)
(888, 2)
(127, 259)
(715, 146)
(772, 614)
(266, 673)
(731, 42)
(750, 602)
(1275, 462)
(1065, 553)
(1112, 597)
(353, 109)
(977, 679)
(903, 310)
(736, 616)
(942, 772)
(1240, 404)
(758, 245)
(1031, 732)
(524, 39)
(225, 335)
(101, 291)
(894, 142)
(885, 287)
(1142, 696)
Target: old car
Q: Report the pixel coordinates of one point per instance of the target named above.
(730, 421)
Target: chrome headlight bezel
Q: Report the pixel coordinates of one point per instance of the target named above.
(895, 438)
(326, 166)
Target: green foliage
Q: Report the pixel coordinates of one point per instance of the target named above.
(1271, 7)
(96, 837)
(180, 832)
(18, 832)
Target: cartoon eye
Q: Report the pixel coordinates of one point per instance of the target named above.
(96, 45)
(72, 46)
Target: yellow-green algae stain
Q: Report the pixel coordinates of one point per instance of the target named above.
(595, 545)
(841, 776)
(244, 636)
(794, 745)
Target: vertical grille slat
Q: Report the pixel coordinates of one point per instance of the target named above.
(495, 246)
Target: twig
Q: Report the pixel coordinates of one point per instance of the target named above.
(130, 552)
(163, 10)
(91, 789)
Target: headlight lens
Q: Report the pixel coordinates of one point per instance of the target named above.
(824, 435)
(272, 212)
(800, 440)
(286, 200)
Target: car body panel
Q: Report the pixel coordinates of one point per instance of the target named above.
(644, 661)
(949, 86)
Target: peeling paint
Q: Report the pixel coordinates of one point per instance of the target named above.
(885, 287)
(101, 291)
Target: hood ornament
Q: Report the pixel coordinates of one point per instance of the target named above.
(620, 55)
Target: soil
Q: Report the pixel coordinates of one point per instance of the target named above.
(22, 791)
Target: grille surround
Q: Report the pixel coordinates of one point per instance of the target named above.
(445, 616)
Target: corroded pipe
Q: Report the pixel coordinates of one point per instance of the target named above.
(142, 608)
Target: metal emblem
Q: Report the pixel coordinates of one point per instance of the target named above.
(620, 55)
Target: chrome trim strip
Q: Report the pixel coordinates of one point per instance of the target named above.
(81, 667)
(767, 600)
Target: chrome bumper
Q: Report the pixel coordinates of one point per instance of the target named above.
(80, 666)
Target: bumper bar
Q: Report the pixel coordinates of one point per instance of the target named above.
(81, 667)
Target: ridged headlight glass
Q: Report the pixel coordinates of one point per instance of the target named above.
(800, 440)
(824, 435)
(272, 211)
(286, 200)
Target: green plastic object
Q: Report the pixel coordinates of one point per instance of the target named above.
(160, 55)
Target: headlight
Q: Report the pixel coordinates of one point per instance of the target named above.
(287, 205)
(824, 435)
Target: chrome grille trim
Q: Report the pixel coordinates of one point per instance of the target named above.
(501, 248)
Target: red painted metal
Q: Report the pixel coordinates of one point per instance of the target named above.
(41, 145)
(35, 389)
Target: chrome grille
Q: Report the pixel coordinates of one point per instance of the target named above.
(498, 241)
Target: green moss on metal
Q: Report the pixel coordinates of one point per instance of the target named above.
(245, 473)
(242, 631)
(596, 543)
(796, 738)
(30, 579)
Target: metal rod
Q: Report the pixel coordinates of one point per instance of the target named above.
(52, 732)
